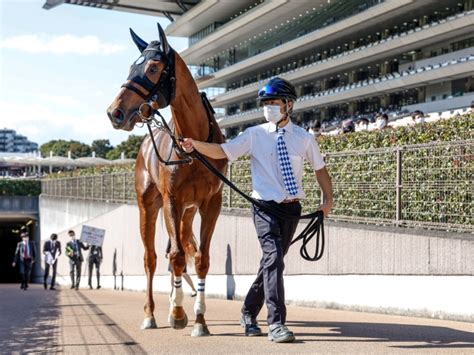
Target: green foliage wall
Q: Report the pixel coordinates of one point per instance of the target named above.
(455, 128)
(20, 187)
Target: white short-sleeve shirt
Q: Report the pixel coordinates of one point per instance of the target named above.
(260, 143)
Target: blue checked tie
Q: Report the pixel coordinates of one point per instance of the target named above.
(285, 165)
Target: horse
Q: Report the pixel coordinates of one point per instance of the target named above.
(158, 78)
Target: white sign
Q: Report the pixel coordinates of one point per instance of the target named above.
(92, 236)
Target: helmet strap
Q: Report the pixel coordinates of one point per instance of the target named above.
(287, 113)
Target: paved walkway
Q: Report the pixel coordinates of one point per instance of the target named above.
(107, 322)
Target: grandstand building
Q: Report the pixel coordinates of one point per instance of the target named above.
(347, 58)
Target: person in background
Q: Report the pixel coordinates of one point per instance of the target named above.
(348, 126)
(382, 121)
(315, 129)
(418, 117)
(51, 252)
(74, 251)
(95, 259)
(363, 125)
(25, 255)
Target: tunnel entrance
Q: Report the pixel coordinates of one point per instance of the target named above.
(9, 238)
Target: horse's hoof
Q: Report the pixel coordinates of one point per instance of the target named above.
(178, 323)
(200, 330)
(149, 323)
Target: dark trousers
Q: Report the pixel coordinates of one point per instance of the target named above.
(274, 236)
(46, 273)
(25, 271)
(94, 261)
(76, 267)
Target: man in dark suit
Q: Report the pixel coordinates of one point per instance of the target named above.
(74, 251)
(51, 251)
(25, 256)
(95, 258)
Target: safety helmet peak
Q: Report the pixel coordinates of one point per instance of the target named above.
(277, 88)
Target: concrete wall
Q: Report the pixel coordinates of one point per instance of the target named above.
(370, 268)
(19, 205)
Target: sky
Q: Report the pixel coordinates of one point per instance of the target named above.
(61, 68)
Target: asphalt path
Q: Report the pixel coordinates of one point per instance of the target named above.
(108, 322)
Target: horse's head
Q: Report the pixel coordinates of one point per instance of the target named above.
(150, 83)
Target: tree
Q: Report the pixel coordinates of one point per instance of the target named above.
(101, 147)
(130, 147)
(61, 147)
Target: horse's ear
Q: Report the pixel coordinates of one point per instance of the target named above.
(163, 40)
(140, 43)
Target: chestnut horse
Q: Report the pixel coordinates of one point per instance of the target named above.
(158, 78)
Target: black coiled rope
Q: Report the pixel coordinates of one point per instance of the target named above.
(314, 228)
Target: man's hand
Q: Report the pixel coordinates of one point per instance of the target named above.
(326, 207)
(13, 264)
(211, 150)
(188, 145)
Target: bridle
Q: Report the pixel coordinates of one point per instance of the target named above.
(156, 95)
(162, 92)
(159, 95)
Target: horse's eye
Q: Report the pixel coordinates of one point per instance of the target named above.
(153, 69)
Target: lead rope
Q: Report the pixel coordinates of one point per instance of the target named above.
(314, 228)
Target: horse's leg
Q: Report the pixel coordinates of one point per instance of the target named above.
(149, 202)
(209, 213)
(173, 216)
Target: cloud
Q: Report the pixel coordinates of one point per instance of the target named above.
(49, 122)
(60, 100)
(64, 44)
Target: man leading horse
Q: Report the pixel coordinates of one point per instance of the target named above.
(277, 150)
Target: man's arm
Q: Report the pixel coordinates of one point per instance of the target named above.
(324, 181)
(17, 255)
(33, 249)
(212, 150)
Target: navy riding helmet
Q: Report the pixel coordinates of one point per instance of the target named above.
(277, 88)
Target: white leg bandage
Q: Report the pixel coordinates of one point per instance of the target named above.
(177, 295)
(200, 304)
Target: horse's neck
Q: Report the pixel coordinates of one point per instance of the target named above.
(189, 113)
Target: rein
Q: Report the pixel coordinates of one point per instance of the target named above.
(164, 127)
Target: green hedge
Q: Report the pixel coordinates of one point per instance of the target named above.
(455, 128)
(20, 187)
(436, 179)
(94, 170)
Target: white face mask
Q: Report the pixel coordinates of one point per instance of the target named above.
(381, 123)
(419, 120)
(272, 113)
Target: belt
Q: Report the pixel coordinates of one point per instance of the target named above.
(291, 200)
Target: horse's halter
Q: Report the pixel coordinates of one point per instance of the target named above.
(162, 92)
